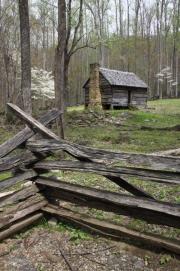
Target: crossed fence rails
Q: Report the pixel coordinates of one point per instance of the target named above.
(23, 207)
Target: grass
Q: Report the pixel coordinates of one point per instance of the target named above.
(130, 137)
(75, 108)
(4, 134)
(5, 175)
(166, 106)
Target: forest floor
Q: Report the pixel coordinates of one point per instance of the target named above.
(150, 130)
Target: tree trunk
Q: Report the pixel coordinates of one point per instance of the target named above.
(60, 64)
(137, 8)
(128, 24)
(66, 79)
(25, 55)
(120, 19)
(116, 10)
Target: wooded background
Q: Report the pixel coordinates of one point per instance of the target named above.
(131, 35)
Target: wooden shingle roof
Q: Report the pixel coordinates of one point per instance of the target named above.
(120, 78)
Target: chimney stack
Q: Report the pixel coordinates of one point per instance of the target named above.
(94, 86)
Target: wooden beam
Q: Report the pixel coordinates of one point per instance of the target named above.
(32, 122)
(113, 175)
(152, 211)
(111, 230)
(15, 228)
(108, 171)
(7, 183)
(44, 131)
(19, 195)
(10, 162)
(26, 133)
(21, 210)
(97, 155)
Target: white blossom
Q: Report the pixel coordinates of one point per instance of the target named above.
(42, 84)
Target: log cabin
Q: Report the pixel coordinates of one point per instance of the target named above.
(114, 89)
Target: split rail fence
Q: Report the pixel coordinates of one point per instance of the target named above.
(24, 156)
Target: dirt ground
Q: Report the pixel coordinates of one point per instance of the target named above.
(47, 250)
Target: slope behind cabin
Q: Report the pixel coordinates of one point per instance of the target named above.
(117, 88)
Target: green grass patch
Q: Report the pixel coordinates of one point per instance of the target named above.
(4, 134)
(131, 138)
(165, 106)
(5, 175)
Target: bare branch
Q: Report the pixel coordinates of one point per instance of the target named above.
(69, 23)
(74, 42)
(81, 47)
(50, 4)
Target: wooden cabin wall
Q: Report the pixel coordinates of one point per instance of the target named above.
(118, 95)
(106, 91)
(138, 97)
(129, 96)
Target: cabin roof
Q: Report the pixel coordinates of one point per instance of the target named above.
(121, 78)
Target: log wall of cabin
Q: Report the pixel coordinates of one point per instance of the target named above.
(106, 91)
(138, 97)
(118, 95)
(129, 96)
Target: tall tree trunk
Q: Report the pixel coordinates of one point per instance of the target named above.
(160, 40)
(176, 25)
(44, 39)
(66, 79)
(137, 8)
(120, 19)
(158, 49)
(59, 64)
(116, 10)
(25, 55)
(128, 24)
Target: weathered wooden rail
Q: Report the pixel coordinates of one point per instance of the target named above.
(23, 206)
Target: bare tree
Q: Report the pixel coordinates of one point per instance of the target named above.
(98, 9)
(116, 13)
(128, 25)
(120, 18)
(176, 25)
(137, 9)
(25, 55)
(59, 64)
(72, 41)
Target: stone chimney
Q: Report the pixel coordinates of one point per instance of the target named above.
(94, 86)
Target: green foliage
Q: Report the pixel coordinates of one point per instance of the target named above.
(40, 268)
(165, 259)
(146, 260)
(5, 175)
(75, 234)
